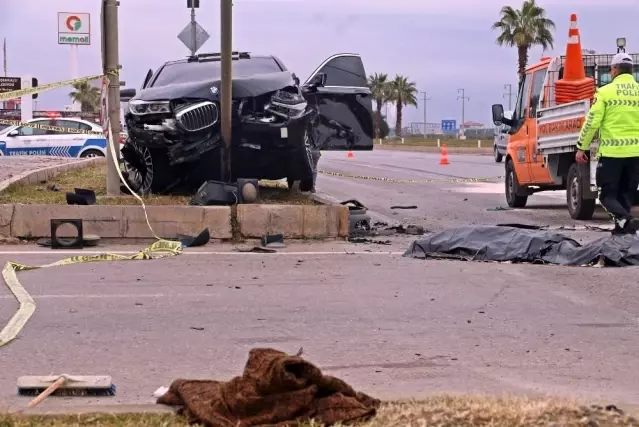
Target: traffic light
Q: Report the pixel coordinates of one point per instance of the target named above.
(34, 83)
(195, 4)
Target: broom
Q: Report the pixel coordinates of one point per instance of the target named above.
(64, 385)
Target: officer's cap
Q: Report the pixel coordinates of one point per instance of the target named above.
(621, 58)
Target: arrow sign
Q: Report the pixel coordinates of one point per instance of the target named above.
(186, 37)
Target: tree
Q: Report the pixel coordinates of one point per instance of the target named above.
(379, 86)
(87, 96)
(384, 129)
(403, 92)
(524, 28)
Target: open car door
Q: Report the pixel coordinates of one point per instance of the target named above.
(338, 88)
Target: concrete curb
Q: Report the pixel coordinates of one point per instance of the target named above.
(484, 151)
(128, 221)
(45, 174)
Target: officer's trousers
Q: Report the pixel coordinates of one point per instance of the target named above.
(617, 179)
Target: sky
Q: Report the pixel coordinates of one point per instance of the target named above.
(442, 48)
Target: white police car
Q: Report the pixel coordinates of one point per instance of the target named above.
(28, 141)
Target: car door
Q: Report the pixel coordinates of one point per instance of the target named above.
(519, 140)
(64, 143)
(344, 103)
(26, 141)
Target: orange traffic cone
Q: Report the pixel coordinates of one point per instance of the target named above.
(444, 157)
(350, 154)
(574, 85)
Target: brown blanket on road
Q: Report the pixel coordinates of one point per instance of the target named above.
(275, 388)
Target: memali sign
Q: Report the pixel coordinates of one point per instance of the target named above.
(74, 28)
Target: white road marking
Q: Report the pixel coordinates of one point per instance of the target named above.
(106, 296)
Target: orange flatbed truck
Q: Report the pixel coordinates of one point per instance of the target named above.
(544, 131)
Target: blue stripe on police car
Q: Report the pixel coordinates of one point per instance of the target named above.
(98, 144)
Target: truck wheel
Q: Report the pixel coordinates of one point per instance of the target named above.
(513, 189)
(578, 207)
(498, 157)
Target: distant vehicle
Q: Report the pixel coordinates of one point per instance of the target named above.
(27, 141)
(500, 146)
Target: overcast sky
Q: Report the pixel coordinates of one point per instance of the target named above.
(441, 47)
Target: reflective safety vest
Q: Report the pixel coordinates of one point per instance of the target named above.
(615, 113)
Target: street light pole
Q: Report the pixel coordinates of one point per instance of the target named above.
(509, 94)
(111, 68)
(463, 100)
(425, 99)
(226, 18)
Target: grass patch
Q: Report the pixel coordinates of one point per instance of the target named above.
(94, 177)
(441, 411)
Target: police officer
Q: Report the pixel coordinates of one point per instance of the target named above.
(615, 113)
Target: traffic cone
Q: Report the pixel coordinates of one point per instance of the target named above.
(444, 157)
(574, 85)
(350, 154)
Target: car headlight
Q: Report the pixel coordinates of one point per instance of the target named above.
(285, 97)
(140, 108)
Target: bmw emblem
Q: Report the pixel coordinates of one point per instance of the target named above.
(214, 90)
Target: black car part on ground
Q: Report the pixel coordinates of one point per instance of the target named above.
(497, 243)
(278, 126)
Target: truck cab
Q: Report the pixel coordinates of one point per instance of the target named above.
(543, 136)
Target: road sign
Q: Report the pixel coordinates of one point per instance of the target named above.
(186, 37)
(9, 84)
(74, 28)
(449, 125)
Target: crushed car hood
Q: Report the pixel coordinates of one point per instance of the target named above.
(243, 87)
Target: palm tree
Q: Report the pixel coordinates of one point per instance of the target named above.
(524, 28)
(87, 96)
(379, 86)
(403, 92)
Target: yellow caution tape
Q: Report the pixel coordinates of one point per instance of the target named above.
(51, 128)
(412, 181)
(43, 88)
(160, 249)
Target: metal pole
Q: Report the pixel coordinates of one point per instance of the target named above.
(111, 68)
(226, 17)
(510, 95)
(426, 98)
(193, 33)
(463, 98)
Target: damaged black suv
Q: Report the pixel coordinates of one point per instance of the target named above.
(278, 124)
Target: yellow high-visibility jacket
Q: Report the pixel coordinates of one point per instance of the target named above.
(615, 113)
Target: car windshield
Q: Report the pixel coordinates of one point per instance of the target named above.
(183, 72)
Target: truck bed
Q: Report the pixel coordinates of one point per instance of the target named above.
(558, 127)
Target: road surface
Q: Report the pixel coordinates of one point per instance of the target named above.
(391, 326)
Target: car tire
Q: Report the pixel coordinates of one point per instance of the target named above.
(496, 155)
(512, 188)
(92, 153)
(578, 207)
(152, 173)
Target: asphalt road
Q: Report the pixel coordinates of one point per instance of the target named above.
(439, 204)
(391, 326)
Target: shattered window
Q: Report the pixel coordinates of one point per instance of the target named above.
(183, 72)
(345, 71)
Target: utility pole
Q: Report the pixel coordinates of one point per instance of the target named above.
(509, 94)
(111, 68)
(226, 17)
(4, 60)
(193, 26)
(425, 99)
(463, 98)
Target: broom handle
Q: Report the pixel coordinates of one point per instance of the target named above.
(53, 387)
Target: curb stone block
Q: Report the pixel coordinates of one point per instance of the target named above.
(6, 216)
(109, 221)
(34, 220)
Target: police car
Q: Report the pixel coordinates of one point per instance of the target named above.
(28, 141)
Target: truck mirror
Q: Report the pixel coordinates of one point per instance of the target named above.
(498, 114)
